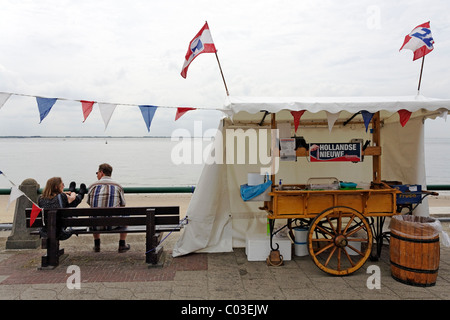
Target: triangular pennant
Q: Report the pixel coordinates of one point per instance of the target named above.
(367, 117)
(106, 110)
(3, 98)
(35, 210)
(332, 117)
(404, 116)
(297, 115)
(45, 105)
(444, 115)
(181, 111)
(87, 108)
(148, 112)
(14, 194)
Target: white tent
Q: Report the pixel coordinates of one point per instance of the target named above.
(219, 220)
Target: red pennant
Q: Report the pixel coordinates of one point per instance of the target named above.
(87, 108)
(404, 116)
(35, 210)
(181, 111)
(297, 115)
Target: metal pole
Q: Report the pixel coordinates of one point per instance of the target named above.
(420, 78)
(223, 78)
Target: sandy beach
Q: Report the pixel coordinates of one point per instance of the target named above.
(438, 205)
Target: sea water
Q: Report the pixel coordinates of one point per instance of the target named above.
(136, 161)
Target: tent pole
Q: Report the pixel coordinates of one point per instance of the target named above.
(376, 159)
(273, 125)
(420, 77)
(223, 78)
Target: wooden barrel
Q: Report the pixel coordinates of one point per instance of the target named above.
(414, 250)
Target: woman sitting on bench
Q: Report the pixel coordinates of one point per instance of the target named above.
(54, 197)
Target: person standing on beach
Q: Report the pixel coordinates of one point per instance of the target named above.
(107, 193)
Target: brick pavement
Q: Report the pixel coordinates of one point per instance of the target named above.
(222, 276)
(106, 266)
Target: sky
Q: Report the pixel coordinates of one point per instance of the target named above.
(131, 53)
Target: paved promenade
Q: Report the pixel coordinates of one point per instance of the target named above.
(221, 276)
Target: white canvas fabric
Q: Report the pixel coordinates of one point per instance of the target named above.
(220, 220)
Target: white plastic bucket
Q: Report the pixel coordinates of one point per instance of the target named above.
(354, 244)
(301, 236)
(254, 179)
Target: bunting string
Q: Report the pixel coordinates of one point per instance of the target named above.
(107, 109)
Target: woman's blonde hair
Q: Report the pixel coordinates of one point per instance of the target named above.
(52, 188)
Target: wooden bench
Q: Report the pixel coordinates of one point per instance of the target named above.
(150, 220)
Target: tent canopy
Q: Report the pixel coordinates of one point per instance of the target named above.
(220, 220)
(419, 104)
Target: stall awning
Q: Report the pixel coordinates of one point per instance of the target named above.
(419, 105)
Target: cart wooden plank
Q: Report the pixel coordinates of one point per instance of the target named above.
(291, 204)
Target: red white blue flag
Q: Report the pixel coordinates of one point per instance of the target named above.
(202, 43)
(420, 41)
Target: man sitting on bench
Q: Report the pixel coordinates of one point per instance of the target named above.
(107, 193)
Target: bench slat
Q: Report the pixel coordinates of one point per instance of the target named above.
(151, 220)
(137, 216)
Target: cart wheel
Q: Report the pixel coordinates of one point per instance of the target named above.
(329, 240)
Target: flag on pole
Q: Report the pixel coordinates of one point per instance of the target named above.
(202, 43)
(420, 41)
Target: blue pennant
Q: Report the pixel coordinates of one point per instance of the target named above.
(367, 116)
(148, 112)
(45, 105)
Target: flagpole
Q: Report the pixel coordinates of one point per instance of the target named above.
(223, 78)
(420, 78)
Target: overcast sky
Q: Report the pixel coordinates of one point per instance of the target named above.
(131, 53)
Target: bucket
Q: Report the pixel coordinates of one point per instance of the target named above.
(300, 243)
(354, 244)
(414, 250)
(255, 178)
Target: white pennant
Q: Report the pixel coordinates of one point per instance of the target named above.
(332, 117)
(3, 98)
(15, 194)
(106, 110)
(444, 115)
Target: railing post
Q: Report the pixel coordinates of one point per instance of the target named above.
(20, 237)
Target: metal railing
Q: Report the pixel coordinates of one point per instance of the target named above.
(191, 189)
(174, 189)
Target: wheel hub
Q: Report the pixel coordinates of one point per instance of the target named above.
(340, 241)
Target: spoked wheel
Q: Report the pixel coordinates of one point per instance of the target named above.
(340, 240)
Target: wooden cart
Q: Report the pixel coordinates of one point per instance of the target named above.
(342, 223)
(338, 220)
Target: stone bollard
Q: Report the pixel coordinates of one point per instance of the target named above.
(20, 237)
